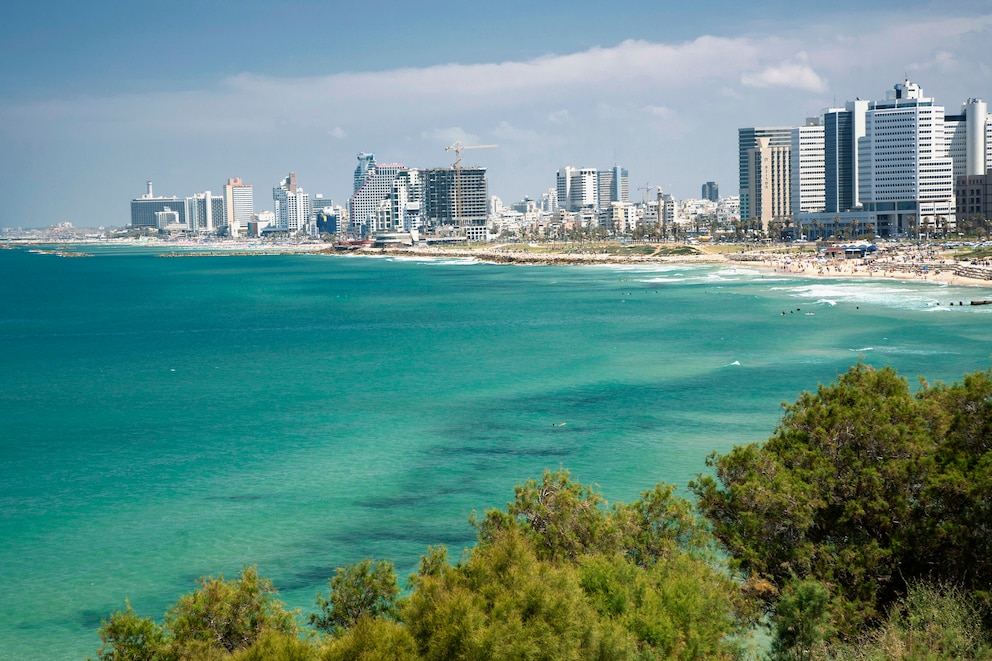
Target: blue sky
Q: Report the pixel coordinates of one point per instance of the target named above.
(98, 98)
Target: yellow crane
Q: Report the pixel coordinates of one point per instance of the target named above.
(457, 148)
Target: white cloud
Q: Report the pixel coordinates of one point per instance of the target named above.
(795, 74)
(666, 111)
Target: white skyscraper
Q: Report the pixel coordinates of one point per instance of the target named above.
(374, 186)
(807, 163)
(239, 202)
(906, 174)
(292, 205)
(204, 211)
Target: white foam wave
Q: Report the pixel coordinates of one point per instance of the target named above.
(867, 294)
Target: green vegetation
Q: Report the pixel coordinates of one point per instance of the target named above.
(859, 531)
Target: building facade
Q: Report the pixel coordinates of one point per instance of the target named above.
(747, 139)
(458, 198)
(374, 188)
(144, 208)
(807, 183)
(905, 170)
(710, 191)
(768, 185)
(291, 206)
(239, 203)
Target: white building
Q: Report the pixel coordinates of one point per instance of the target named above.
(204, 212)
(292, 205)
(374, 187)
(239, 203)
(905, 171)
(807, 168)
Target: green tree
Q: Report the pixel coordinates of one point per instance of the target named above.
(278, 646)
(864, 486)
(954, 529)
(127, 637)
(226, 616)
(503, 602)
(364, 589)
(801, 622)
(563, 519)
(832, 494)
(373, 640)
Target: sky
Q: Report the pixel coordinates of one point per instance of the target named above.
(98, 98)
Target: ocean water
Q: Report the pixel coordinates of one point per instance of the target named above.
(166, 419)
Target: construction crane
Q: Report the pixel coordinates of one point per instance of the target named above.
(457, 148)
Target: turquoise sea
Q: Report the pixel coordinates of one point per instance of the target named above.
(166, 419)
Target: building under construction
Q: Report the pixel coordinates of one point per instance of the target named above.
(457, 197)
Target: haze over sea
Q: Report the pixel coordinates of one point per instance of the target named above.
(166, 419)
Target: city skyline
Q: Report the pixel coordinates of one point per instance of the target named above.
(98, 101)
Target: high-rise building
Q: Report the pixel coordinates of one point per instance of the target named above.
(292, 205)
(965, 136)
(144, 208)
(842, 127)
(747, 139)
(239, 201)
(710, 191)
(407, 201)
(585, 189)
(204, 212)
(458, 197)
(768, 185)
(366, 164)
(375, 187)
(905, 171)
(807, 173)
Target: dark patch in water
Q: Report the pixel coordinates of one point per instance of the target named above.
(91, 619)
(471, 451)
(239, 498)
(388, 502)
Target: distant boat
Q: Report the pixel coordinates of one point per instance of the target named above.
(558, 424)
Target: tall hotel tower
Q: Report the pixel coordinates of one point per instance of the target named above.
(239, 204)
(905, 170)
(747, 140)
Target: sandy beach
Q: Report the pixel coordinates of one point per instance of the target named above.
(901, 264)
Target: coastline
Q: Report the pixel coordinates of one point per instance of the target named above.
(901, 265)
(905, 263)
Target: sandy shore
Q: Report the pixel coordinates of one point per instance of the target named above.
(903, 264)
(900, 266)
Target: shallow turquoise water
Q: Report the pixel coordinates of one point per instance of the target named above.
(164, 419)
